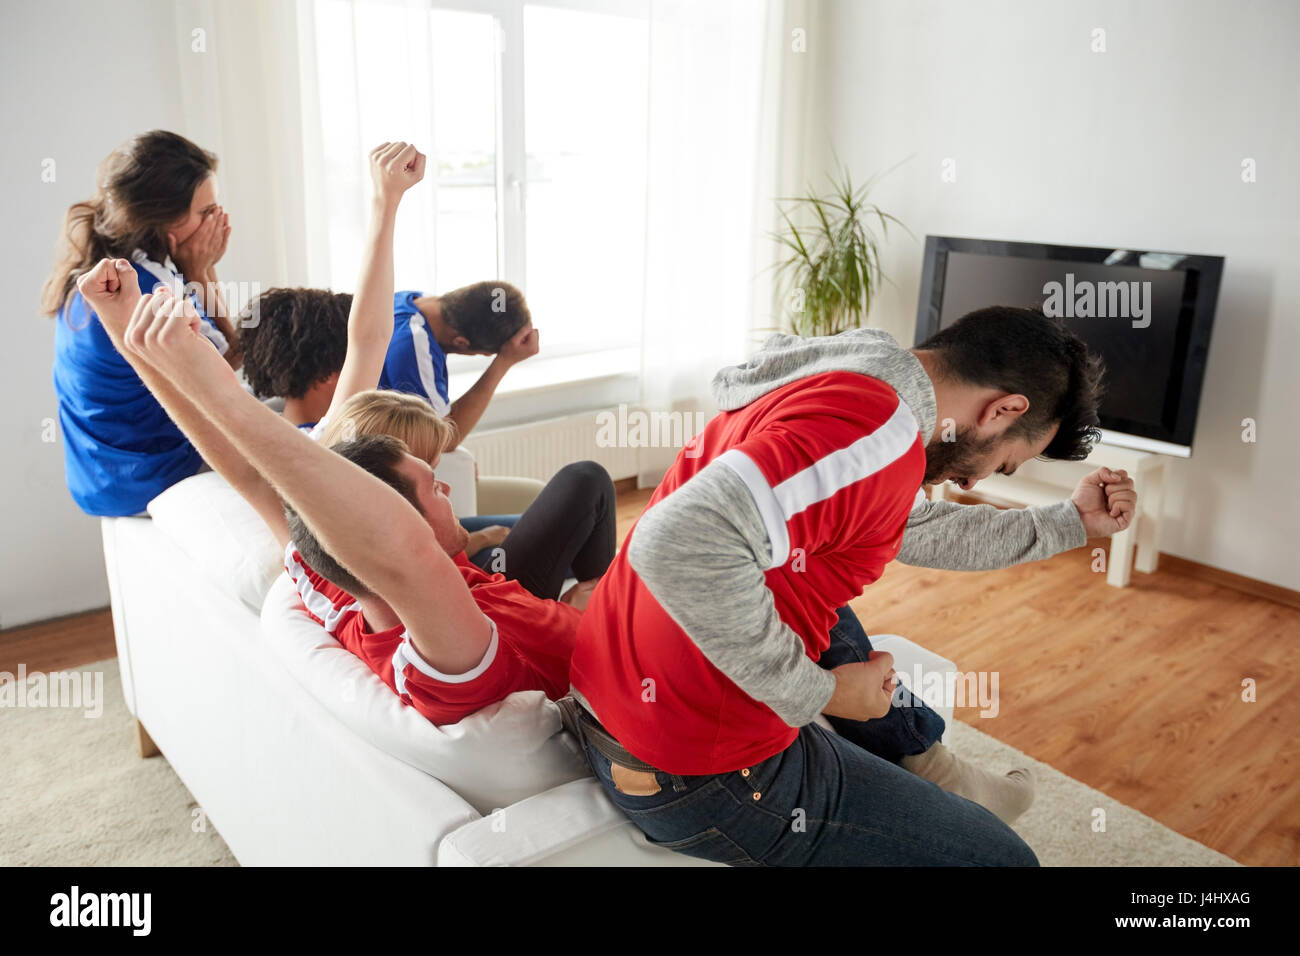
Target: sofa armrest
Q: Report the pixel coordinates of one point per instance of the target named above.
(456, 468)
(507, 496)
(573, 824)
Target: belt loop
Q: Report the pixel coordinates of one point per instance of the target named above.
(679, 784)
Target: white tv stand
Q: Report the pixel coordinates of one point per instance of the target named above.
(1044, 483)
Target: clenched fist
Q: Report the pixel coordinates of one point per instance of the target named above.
(863, 691)
(112, 290)
(395, 168)
(1107, 502)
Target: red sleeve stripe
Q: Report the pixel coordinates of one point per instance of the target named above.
(318, 604)
(407, 654)
(822, 479)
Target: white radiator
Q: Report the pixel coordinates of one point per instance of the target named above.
(540, 449)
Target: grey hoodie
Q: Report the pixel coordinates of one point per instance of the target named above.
(702, 550)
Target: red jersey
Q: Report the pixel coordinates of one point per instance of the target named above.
(833, 462)
(530, 648)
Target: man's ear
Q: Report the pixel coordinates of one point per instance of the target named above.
(460, 343)
(1003, 410)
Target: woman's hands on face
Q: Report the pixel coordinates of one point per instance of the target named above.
(198, 254)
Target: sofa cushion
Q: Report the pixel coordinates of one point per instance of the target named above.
(221, 533)
(492, 759)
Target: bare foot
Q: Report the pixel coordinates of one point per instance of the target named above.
(580, 593)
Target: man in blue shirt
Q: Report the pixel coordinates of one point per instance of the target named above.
(486, 318)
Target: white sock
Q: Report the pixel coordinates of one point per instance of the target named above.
(1007, 795)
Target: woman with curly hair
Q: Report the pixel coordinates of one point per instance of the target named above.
(295, 341)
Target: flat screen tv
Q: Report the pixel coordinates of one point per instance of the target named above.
(1147, 314)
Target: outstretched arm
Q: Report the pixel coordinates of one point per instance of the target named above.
(955, 537)
(394, 168)
(365, 524)
(112, 290)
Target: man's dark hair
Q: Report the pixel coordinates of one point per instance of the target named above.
(1023, 352)
(293, 339)
(486, 313)
(378, 454)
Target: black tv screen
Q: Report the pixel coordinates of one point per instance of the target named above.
(1147, 314)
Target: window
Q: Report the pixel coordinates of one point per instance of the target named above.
(534, 116)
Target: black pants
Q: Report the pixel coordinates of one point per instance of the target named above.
(567, 531)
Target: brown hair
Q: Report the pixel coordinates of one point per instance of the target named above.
(293, 339)
(488, 314)
(1023, 352)
(382, 412)
(143, 187)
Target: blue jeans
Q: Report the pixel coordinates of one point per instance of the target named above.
(826, 800)
(823, 801)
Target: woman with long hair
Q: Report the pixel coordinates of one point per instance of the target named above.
(155, 205)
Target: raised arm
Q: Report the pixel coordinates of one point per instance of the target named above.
(365, 524)
(394, 168)
(113, 292)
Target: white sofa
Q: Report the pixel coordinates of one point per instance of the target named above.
(299, 755)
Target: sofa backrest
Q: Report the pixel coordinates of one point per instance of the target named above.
(492, 759)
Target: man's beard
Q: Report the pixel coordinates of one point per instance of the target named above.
(959, 458)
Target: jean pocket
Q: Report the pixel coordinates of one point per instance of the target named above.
(711, 844)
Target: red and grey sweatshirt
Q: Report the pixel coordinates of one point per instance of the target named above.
(698, 649)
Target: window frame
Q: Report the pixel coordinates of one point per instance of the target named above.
(511, 180)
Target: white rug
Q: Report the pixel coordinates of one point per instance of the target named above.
(1059, 827)
(74, 793)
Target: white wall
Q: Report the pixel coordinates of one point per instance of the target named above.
(77, 79)
(1139, 146)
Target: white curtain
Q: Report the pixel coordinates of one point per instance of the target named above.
(242, 99)
(725, 83)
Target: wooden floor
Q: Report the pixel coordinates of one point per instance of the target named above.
(1135, 691)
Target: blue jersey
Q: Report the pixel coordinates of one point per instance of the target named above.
(415, 362)
(120, 449)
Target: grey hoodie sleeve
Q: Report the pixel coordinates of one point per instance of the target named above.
(954, 537)
(701, 552)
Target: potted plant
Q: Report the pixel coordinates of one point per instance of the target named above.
(831, 267)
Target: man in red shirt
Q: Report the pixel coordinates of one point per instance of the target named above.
(696, 666)
(530, 647)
